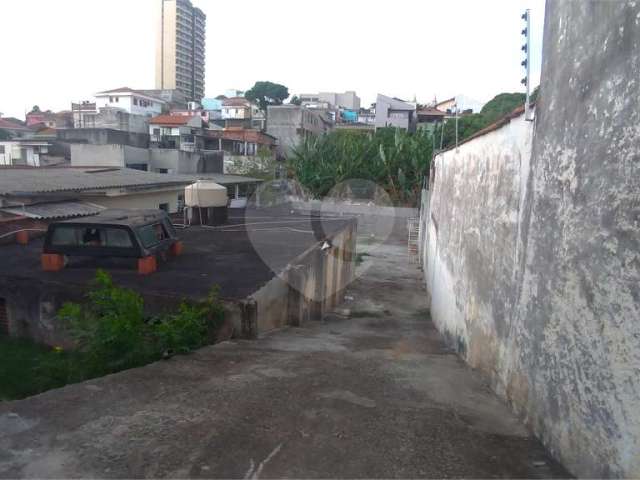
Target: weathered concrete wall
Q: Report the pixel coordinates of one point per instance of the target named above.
(176, 161)
(291, 124)
(150, 200)
(108, 155)
(472, 230)
(103, 136)
(533, 262)
(577, 329)
(310, 285)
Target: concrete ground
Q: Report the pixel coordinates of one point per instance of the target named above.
(371, 394)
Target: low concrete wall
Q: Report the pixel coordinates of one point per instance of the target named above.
(532, 240)
(176, 161)
(103, 136)
(310, 286)
(108, 155)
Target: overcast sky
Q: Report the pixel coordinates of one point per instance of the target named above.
(63, 51)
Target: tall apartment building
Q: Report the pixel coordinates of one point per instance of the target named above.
(180, 48)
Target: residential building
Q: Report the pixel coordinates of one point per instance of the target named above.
(176, 146)
(26, 189)
(240, 112)
(292, 124)
(180, 48)
(240, 141)
(23, 151)
(11, 129)
(54, 192)
(81, 112)
(429, 117)
(393, 112)
(367, 116)
(179, 132)
(86, 115)
(236, 108)
(213, 106)
(174, 99)
(131, 101)
(243, 147)
(49, 119)
(347, 100)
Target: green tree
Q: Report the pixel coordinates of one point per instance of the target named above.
(500, 105)
(468, 125)
(267, 93)
(35, 109)
(533, 98)
(295, 100)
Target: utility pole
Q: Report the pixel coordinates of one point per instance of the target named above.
(526, 63)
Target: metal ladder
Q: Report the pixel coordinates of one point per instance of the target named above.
(413, 227)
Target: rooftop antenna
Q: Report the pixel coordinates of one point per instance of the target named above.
(526, 63)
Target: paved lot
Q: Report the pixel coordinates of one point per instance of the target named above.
(373, 394)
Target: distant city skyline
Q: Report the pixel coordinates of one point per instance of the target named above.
(75, 48)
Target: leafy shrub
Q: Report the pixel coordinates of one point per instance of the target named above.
(109, 329)
(112, 333)
(194, 325)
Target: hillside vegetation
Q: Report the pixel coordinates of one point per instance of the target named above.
(393, 159)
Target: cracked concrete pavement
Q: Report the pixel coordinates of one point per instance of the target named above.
(372, 394)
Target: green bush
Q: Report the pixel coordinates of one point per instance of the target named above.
(112, 333)
(110, 328)
(194, 325)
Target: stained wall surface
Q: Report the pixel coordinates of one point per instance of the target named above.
(532, 245)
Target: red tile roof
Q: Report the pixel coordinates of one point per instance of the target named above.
(431, 111)
(236, 102)
(247, 135)
(170, 120)
(9, 125)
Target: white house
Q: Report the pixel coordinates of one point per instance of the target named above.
(237, 108)
(131, 101)
(22, 152)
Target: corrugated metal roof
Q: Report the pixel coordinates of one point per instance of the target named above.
(45, 211)
(85, 179)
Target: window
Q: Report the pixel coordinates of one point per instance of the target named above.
(64, 236)
(4, 318)
(135, 101)
(117, 99)
(164, 206)
(110, 99)
(72, 236)
(156, 131)
(1, 148)
(151, 235)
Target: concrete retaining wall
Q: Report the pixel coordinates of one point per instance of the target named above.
(310, 286)
(532, 260)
